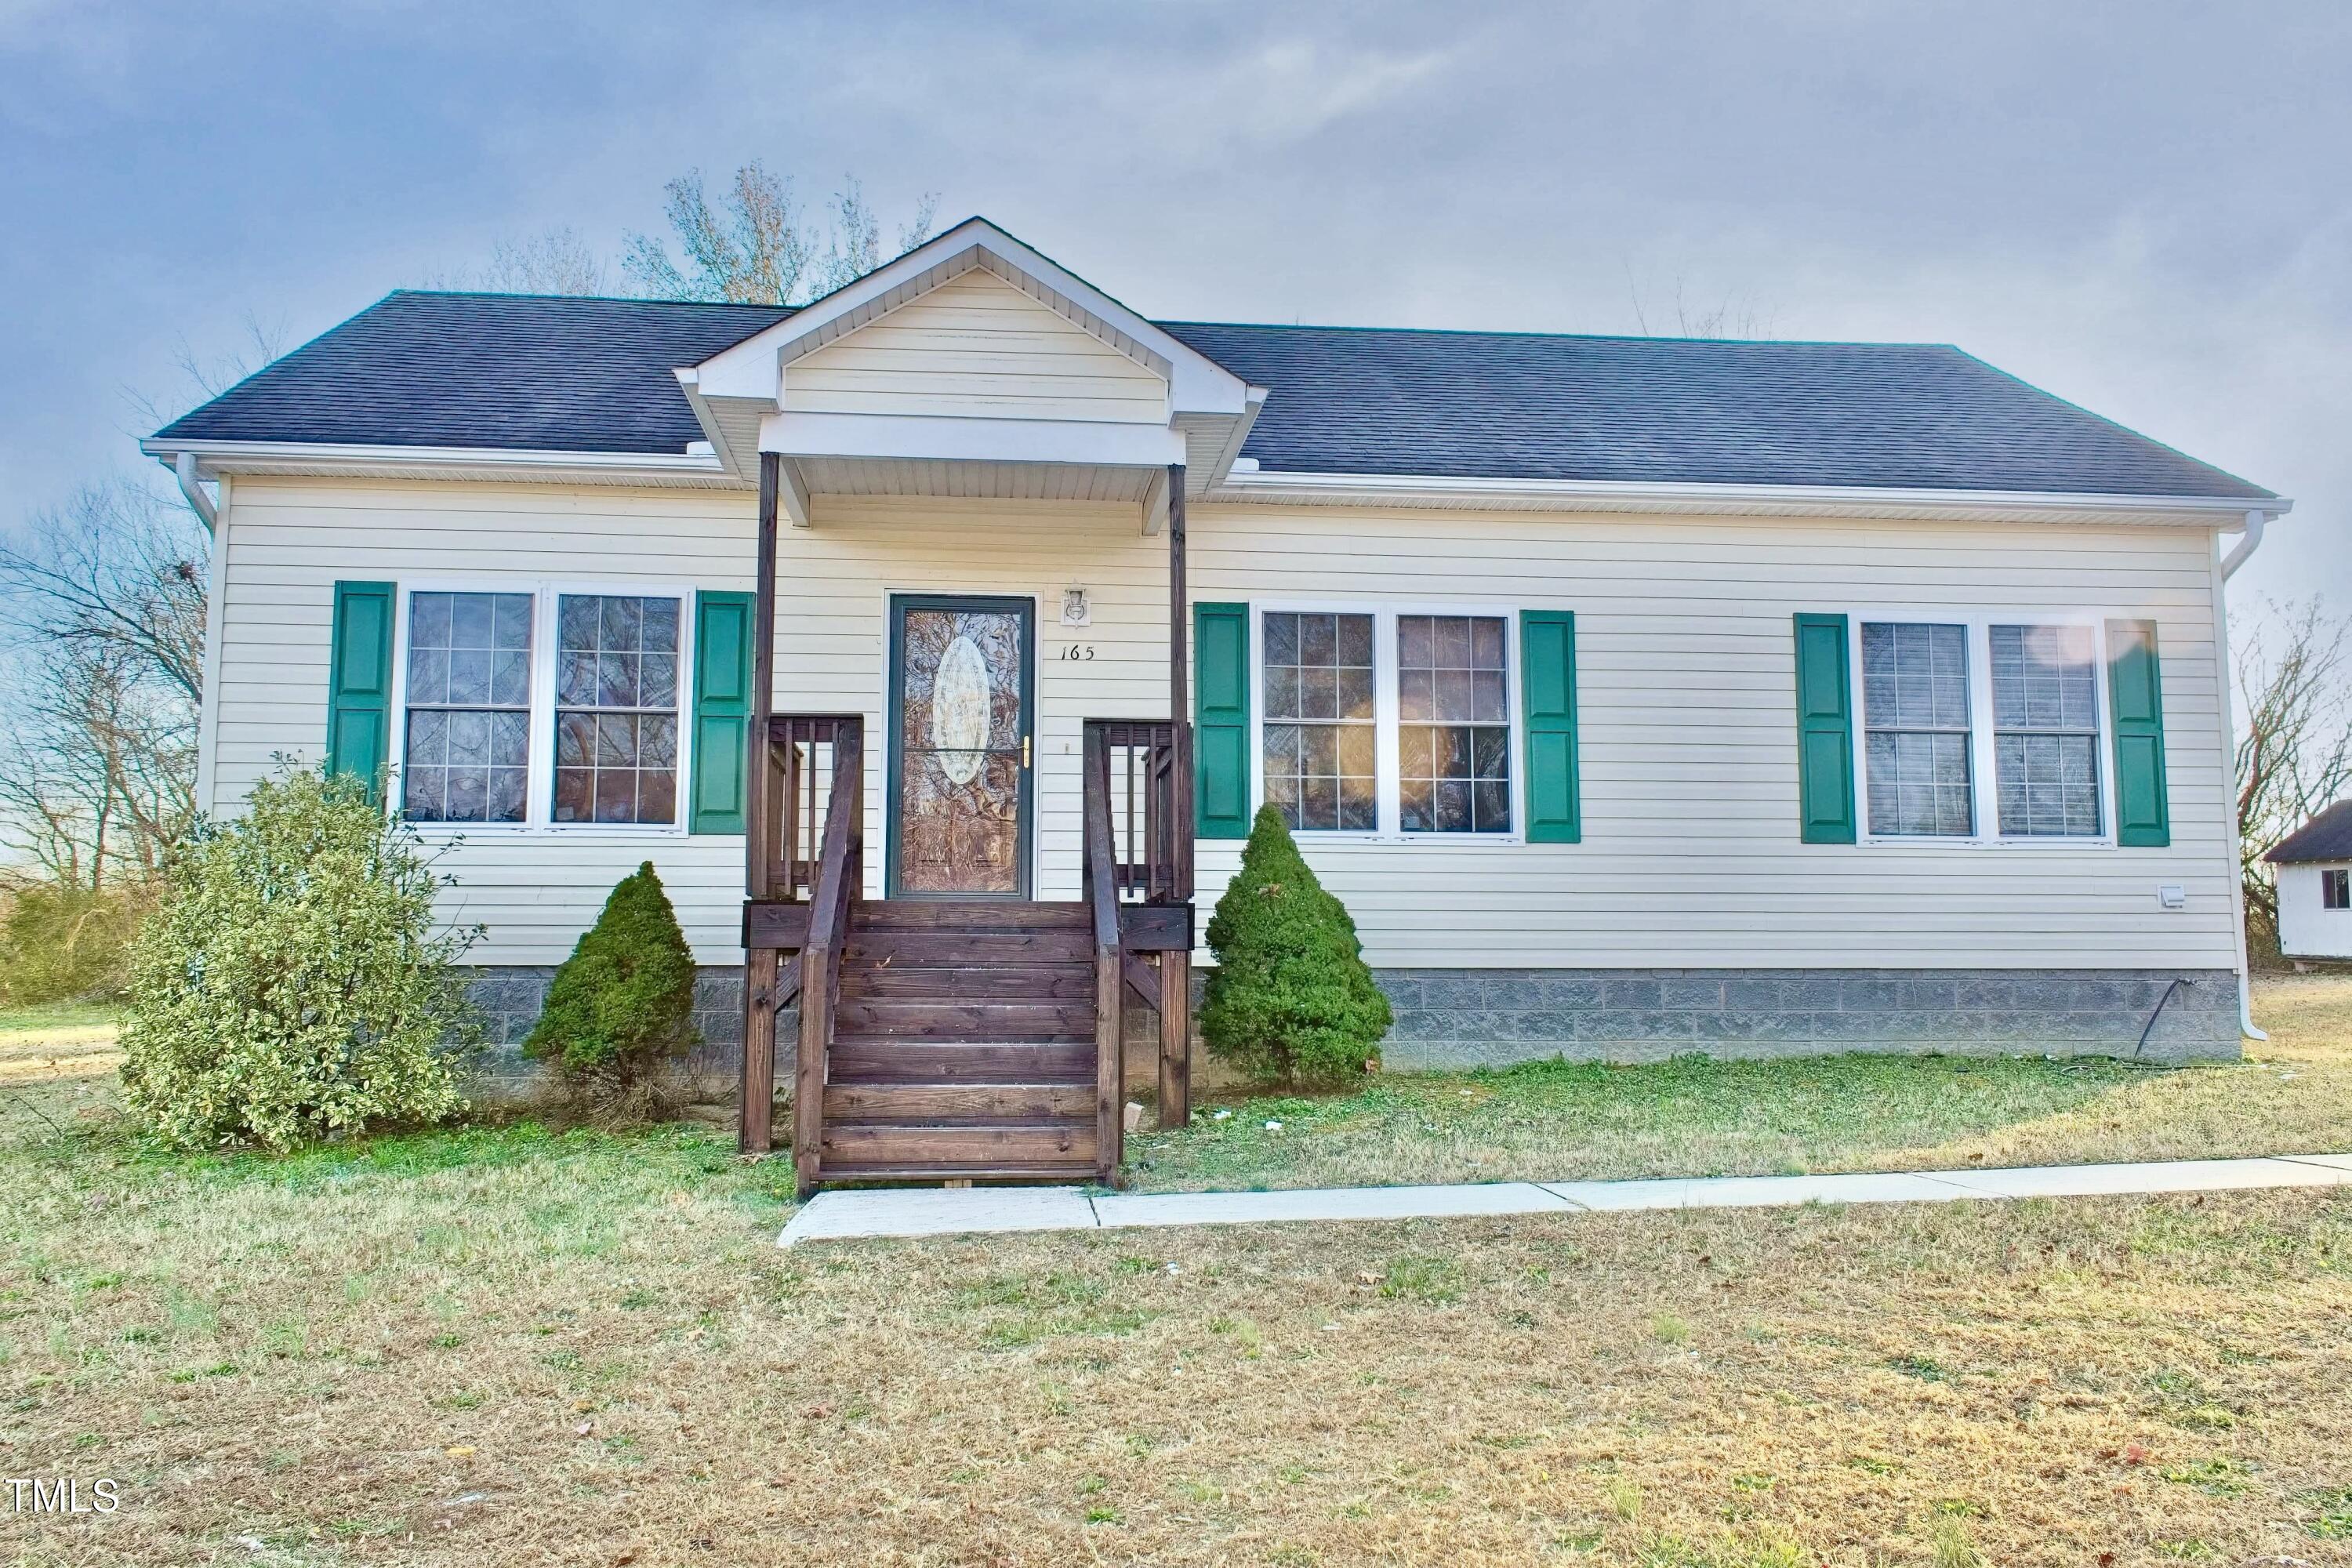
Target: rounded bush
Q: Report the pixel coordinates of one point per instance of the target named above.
(293, 982)
(625, 999)
(1291, 999)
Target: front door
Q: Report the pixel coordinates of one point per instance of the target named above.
(960, 712)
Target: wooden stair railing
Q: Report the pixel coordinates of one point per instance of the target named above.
(1136, 768)
(1100, 871)
(839, 881)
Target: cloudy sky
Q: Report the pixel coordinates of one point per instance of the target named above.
(2146, 207)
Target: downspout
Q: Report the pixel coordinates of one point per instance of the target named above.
(183, 469)
(2239, 556)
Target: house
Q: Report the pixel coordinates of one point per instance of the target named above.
(1638, 696)
(2314, 886)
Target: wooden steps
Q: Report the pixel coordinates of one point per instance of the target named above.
(963, 1043)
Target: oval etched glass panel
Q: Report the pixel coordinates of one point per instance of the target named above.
(960, 710)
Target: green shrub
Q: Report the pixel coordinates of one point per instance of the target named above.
(293, 984)
(62, 944)
(625, 999)
(1291, 999)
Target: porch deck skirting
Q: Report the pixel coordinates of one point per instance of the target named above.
(1456, 1018)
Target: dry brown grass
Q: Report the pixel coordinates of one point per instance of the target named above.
(502, 1346)
(1694, 1117)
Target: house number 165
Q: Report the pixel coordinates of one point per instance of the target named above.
(1078, 653)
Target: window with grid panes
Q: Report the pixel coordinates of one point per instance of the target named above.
(616, 699)
(1318, 748)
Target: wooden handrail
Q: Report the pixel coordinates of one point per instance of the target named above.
(1149, 808)
(1099, 870)
(790, 828)
(839, 877)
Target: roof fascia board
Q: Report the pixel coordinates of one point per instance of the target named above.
(949, 439)
(1197, 385)
(216, 457)
(712, 431)
(1584, 495)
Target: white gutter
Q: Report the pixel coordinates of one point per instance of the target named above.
(216, 456)
(2247, 546)
(1263, 484)
(183, 469)
(2238, 556)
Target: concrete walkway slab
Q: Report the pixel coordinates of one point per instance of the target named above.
(840, 1215)
(2152, 1176)
(939, 1211)
(1114, 1209)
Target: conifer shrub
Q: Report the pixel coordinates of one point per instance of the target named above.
(294, 983)
(1291, 999)
(624, 1001)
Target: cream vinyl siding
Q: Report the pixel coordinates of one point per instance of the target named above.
(291, 540)
(1685, 688)
(976, 347)
(1686, 735)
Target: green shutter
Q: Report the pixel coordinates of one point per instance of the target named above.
(722, 710)
(1547, 677)
(2136, 700)
(359, 681)
(1824, 731)
(1221, 719)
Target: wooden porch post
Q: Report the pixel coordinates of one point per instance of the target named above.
(754, 1135)
(1176, 968)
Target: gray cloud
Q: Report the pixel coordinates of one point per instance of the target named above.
(2143, 207)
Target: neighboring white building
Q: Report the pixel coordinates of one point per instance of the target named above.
(1638, 696)
(2314, 886)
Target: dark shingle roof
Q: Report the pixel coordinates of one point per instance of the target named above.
(1523, 406)
(549, 373)
(2327, 836)
(531, 372)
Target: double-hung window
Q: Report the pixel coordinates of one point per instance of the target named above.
(615, 709)
(540, 707)
(1990, 729)
(1384, 722)
(468, 748)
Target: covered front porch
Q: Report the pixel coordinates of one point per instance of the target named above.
(969, 809)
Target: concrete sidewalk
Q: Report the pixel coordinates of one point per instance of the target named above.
(834, 1217)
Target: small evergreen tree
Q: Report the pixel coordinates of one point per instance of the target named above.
(625, 999)
(295, 982)
(1291, 998)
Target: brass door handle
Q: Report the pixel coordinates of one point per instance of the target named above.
(1024, 751)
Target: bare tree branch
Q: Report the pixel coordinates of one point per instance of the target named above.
(2294, 756)
(757, 245)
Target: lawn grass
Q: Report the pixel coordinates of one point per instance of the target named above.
(508, 1345)
(1553, 1121)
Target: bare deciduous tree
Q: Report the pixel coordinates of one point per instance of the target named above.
(103, 602)
(1737, 316)
(757, 244)
(556, 261)
(2293, 680)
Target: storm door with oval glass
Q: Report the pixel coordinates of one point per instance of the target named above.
(961, 712)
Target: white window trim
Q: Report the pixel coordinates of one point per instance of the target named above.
(1387, 785)
(538, 775)
(1984, 797)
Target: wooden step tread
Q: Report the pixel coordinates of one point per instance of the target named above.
(1049, 1170)
(899, 1059)
(978, 950)
(967, 914)
(959, 1102)
(978, 1146)
(1071, 982)
(938, 1018)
